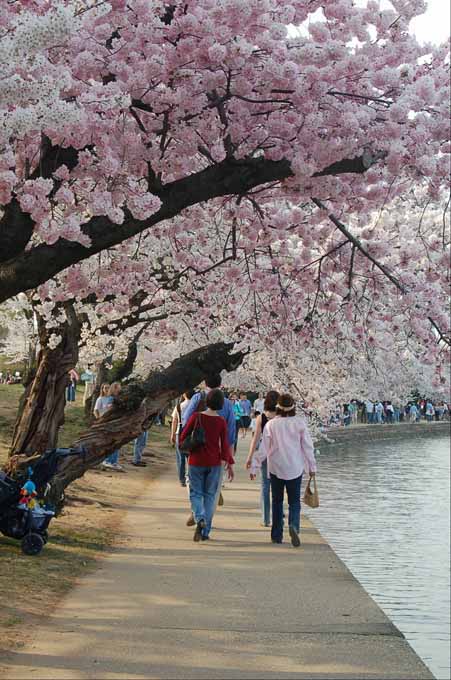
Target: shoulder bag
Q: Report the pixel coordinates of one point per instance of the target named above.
(195, 440)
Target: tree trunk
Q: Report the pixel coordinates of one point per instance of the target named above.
(134, 410)
(41, 409)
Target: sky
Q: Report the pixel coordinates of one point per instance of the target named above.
(434, 26)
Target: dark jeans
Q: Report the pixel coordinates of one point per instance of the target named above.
(265, 494)
(182, 464)
(293, 487)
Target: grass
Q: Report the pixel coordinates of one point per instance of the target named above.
(31, 586)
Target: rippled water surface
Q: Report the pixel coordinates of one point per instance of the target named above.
(385, 509)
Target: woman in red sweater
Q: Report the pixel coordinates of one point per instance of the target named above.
(206, 461)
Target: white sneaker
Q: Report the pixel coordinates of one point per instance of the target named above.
(107, 466)
(117, 467)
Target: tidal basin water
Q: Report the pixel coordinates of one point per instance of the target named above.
(385, 510)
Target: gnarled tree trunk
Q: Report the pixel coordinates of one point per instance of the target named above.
(41, 409)
(134, 410)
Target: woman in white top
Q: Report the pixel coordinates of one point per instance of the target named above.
(288, 448)
(102, 402)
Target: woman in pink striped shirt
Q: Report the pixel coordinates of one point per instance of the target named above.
(288, 448)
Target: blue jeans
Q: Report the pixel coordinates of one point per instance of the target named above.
(182, 463)
(70, 393)
(203, 487)
(293, 487)
(139, 446)
(370, 418)
(113, 458)
(265, 495)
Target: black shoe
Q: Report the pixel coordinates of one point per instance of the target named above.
(139, 463)
(276, 540)
(205, 538)
(295, 541)
(198, 533)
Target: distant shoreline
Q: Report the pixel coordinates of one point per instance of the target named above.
(342, 436)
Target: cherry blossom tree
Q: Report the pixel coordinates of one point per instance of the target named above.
(160, 108)
(198, 162)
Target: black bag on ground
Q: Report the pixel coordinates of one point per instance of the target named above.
(195, 439)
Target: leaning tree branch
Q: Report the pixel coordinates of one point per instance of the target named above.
(30, 269)
(133, 412)
(355, 242)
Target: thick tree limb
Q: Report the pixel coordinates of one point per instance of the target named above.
(30, 269)
(16, 229)
(134, 411)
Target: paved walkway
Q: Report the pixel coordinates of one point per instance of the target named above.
(161, 606)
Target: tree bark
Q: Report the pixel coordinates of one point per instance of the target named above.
(41, 409)
(133, 412)
(29, 269)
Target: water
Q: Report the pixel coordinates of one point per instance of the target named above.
(385, 509)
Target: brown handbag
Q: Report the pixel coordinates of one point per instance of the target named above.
(311, 498)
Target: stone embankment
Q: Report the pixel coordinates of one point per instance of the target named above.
(347, 436)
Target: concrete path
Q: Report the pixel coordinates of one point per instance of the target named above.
(161, 606)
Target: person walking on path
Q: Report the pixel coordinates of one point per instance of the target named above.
(429, 412)
(102, 405)
(379, 412)
(413, 413)
(139, 445)
(246, 408)
(288, 448)
(369, 408)
(205, 463)
(176, 428)
(259, 405)
(269, 412)
(89, 379)
(71, 389)
(238, 417)
(197, 403)
(352, 409)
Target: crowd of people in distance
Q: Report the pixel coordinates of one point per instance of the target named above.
(373, 412)
(7, 378)
(207, 424)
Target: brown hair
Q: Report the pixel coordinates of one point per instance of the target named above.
(104, 390)
(215, 400)
(284, 402)
(271, 401)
